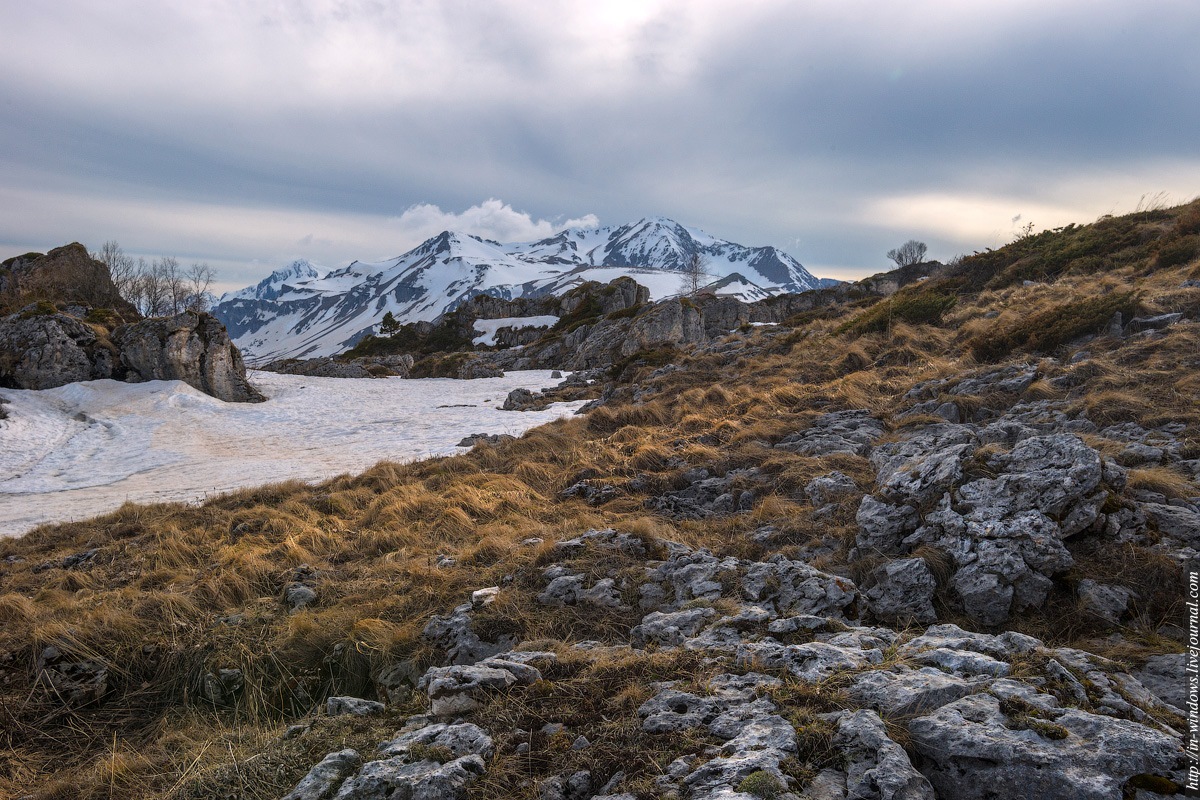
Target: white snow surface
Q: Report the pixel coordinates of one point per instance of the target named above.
(85, 448)
(487, 327)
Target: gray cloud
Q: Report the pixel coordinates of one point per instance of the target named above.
(248, 133)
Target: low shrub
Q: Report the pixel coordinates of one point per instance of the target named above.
(1047, 330)
(916, 307)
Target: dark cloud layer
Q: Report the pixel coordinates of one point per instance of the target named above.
(245, 134)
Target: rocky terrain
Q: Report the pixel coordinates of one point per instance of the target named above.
(918, 539)
(67, 323)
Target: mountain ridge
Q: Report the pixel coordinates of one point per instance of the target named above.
(299, 312)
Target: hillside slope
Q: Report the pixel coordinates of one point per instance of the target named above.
(930, 546)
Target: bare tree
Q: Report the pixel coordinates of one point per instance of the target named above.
(695, 273)
(121, 267)
(198, 277)
(909, 253)
(160, 287)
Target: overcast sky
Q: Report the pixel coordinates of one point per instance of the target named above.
(247, 134)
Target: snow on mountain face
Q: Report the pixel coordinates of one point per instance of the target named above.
(298, 312)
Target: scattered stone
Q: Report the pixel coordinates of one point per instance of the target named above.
(522, 400)
(355, 706)
(298, 597)
(901, 593)
(1106, 602)
(491, 439)
(457, 740)
(392, 778)
(222, 688)
(75, 683)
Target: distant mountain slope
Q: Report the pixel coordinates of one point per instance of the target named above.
(302, 311)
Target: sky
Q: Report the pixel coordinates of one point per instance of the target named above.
(248, 134)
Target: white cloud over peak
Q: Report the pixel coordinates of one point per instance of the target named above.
(491, 219)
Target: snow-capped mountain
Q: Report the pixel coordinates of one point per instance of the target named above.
(300, 311)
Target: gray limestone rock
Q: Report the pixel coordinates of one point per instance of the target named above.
(521, 400)
(47, 350)
(829, 488)
(1105, 601)
(906, 693)
(670, 628)
(457, 740)
(454, 634)
(323, 780)
(901, 593)
(1164, 677)
(355, 706)
(190, 347)
(394, 778)
(878, 768)
(851, 432)
(972, 750)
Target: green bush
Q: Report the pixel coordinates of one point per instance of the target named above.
(586, 313)
(1046, 331)
(1179, 251)
(41, 308)
(762, 784)
(914, 306)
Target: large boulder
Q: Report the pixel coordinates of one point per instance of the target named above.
(45, 350)
(191, 347)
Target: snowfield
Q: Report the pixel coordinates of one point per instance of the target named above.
(85, 448)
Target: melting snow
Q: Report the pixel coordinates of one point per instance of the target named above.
(85, 448)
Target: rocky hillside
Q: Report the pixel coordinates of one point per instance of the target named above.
(931, 544)
(64, 321)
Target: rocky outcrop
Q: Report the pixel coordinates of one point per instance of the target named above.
(190, 347)
(65, 276)
(44, 350)
(398, 366)
(98, 335)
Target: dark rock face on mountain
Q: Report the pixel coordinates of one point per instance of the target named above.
(190, 347)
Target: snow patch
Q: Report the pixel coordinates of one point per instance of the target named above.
(85, 448)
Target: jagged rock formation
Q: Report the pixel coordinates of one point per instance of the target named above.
(974, 728)
(65, 276)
